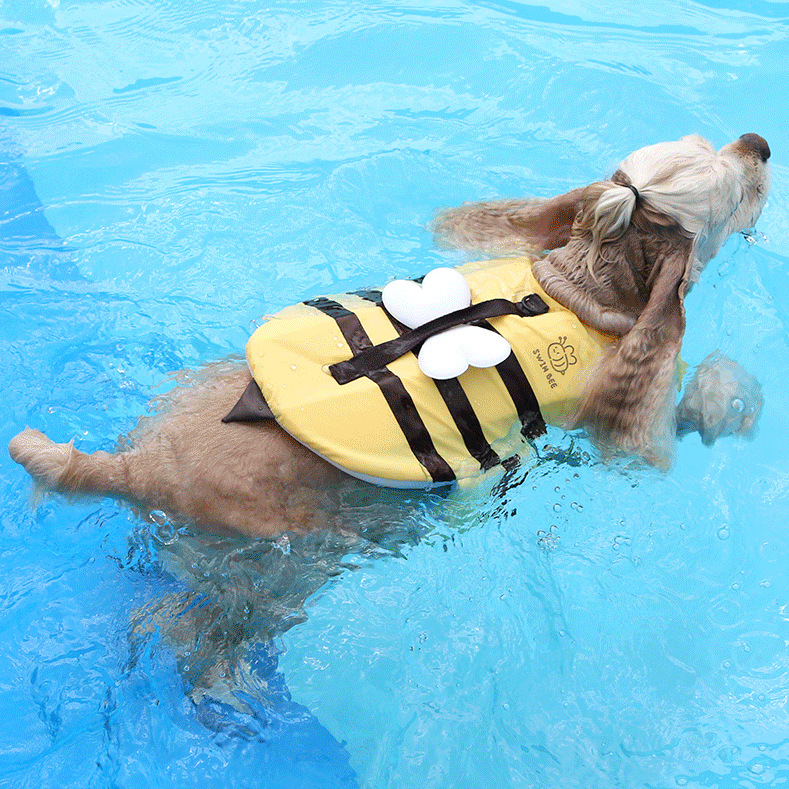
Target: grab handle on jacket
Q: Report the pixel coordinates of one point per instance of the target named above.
(377, 357)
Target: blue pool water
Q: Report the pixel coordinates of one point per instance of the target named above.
(172, 171)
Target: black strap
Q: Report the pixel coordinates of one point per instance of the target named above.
(526, 403)
(523, 398)
(346, 321)
(377, 357)
(375, 296)
(393, 390)
(455, 399)
(467, 423)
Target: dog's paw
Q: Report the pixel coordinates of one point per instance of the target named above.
(722, 399)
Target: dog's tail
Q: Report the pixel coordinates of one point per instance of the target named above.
(61, 467)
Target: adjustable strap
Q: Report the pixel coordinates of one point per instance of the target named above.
(397, 397)
(455, 399)
(510, 371)
(526, 404)
(467, 422)
(376, 357)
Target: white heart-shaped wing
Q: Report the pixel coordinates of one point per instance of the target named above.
(443, 290)
(449, 354)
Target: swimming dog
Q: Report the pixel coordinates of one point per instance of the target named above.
(619, 254)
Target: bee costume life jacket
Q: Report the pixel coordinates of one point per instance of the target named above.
(341, 375)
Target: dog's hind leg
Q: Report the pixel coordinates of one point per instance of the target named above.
(63, 468)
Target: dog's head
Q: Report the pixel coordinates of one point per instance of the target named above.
(623, 253)
(708, 195)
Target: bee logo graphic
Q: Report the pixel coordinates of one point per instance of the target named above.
(561, 355)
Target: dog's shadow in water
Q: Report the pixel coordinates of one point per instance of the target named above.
(230, 598)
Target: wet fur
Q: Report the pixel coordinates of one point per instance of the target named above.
(253, 478)
(622, 264)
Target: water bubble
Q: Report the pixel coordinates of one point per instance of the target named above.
(754, 236)
(283, 543)
(164, 530)
(728, 753)
(737, 405)
(557, 507)
(757, 768)
(724, 267)
(766, 583)
(680, 781)
(549, 540)
(723, 533)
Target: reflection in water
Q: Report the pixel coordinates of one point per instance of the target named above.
(234, 595)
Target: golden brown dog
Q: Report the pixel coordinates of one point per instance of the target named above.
(623, 253)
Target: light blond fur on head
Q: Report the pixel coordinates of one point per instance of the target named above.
(623, 263)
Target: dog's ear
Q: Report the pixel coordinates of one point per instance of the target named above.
(530, 225)
(628, 399)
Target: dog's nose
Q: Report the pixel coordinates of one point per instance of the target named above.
(757, 144)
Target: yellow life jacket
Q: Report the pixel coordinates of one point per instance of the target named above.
(395, 426)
